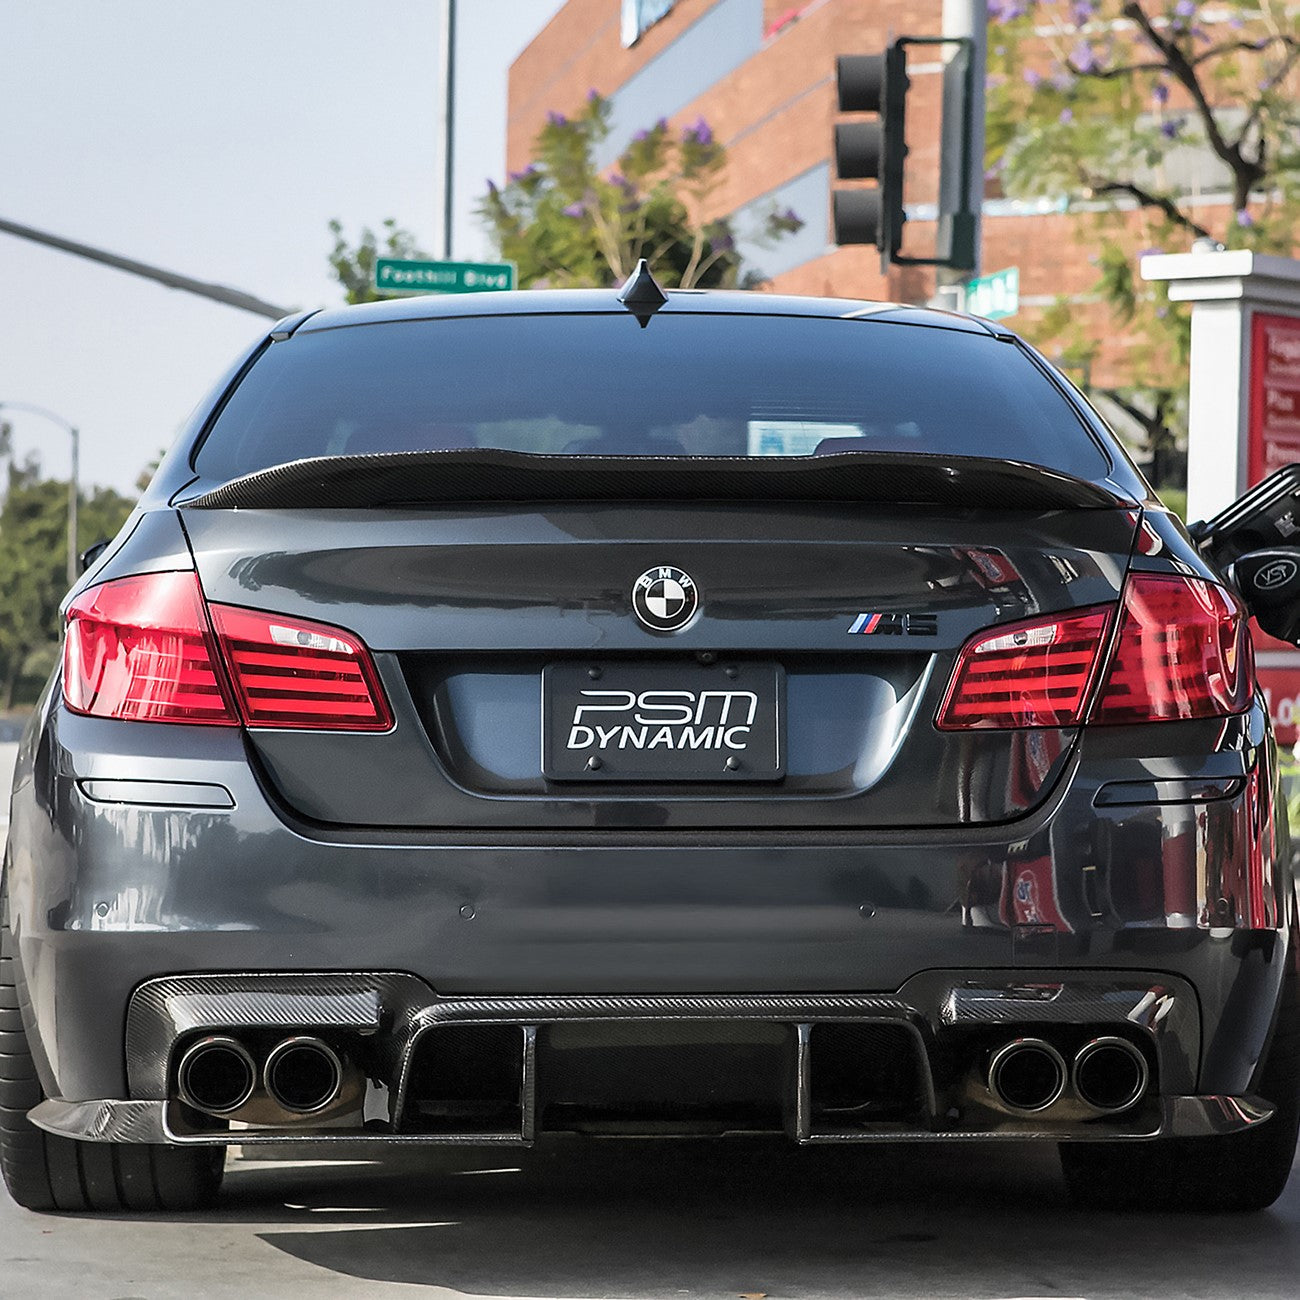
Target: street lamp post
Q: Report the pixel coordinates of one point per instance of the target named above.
(73, 488)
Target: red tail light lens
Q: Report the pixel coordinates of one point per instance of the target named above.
(1031, 674)
(288, 672)
(1183, 651)
(139, 649)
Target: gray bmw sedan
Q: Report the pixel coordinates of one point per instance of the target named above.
(697, 713)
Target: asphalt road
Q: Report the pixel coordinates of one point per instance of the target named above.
(602, 1219)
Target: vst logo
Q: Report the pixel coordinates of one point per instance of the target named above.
(663, 720)
(895, 625)
(1276, 573)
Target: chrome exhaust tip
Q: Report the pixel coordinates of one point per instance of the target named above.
(1027, 1075)
(216, 1075)
(1110, 1074)
(303, 1074)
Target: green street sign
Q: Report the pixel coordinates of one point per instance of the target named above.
(994, 296)
(397, 275)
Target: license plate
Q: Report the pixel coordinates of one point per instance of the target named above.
(623, 721)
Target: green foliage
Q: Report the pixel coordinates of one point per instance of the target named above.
(1095, 98)
(33, 562)
(145, 476)
(1102, 102)
(1176, 500)
(566, 223)
(354, 265)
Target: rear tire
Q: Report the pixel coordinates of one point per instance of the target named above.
(1235, 1173)
(45, 1172)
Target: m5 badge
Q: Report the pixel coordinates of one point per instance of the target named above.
(895, 625)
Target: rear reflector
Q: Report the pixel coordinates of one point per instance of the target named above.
(288, 672)
(1031, 674)
(140, 649)
(1183, 652)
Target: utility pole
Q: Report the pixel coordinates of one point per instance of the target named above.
(446, 121)
(74, 488)
(74, 492)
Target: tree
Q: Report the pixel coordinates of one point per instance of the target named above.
(354, 265)
(1106, 102)
(33, 562)
(566, 222)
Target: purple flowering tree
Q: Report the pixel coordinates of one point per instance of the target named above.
(1092, 97)
(1140, 111)
(568, 222)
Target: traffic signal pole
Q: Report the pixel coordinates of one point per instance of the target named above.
(873, 146)
(961, 171)
(173, 280)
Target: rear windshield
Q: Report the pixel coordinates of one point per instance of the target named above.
(688, 385)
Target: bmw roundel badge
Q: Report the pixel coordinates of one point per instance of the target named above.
(665, 598)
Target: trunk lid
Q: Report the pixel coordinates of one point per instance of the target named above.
(852, 611)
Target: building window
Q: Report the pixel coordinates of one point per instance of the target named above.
(808, 196)
(717, 43)
(640, 15)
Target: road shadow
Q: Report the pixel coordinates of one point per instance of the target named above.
(599, 1219)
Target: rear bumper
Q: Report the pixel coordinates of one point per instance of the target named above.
(112, 887)
(916, 1068)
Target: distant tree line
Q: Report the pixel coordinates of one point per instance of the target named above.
(33, 568)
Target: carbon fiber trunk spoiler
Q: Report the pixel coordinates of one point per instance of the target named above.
(425, 478)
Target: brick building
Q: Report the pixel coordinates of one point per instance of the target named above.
(761, 73)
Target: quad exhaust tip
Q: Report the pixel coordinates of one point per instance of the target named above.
(216, 1075)
(303, 1074)
(1027, 1075)
(1110, 1074)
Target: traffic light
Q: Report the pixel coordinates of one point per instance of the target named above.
(876, 149)
(872, 150)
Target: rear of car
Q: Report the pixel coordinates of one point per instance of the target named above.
(521, 716)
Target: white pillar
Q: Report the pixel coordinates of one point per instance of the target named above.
(1244, 404)
(1227, 291)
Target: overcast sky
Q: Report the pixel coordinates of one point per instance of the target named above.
(216, 140)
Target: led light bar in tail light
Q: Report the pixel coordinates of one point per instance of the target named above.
(288, 672)
(1183, 651)
(140, 649)
(1031, 674)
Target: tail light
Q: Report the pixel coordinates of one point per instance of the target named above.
(292, 673)
(1031, 674)
(142, 649)
(1182, 651)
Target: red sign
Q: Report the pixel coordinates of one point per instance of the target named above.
(1274, 393)
(1278, 667)
(1274, 441)
(1282, 690)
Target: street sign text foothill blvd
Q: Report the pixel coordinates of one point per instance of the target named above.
(995, 296)
(399, 275)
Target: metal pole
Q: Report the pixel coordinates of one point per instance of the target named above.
(966, 18)
(74, 490)
(217, 292)
(446, 123)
